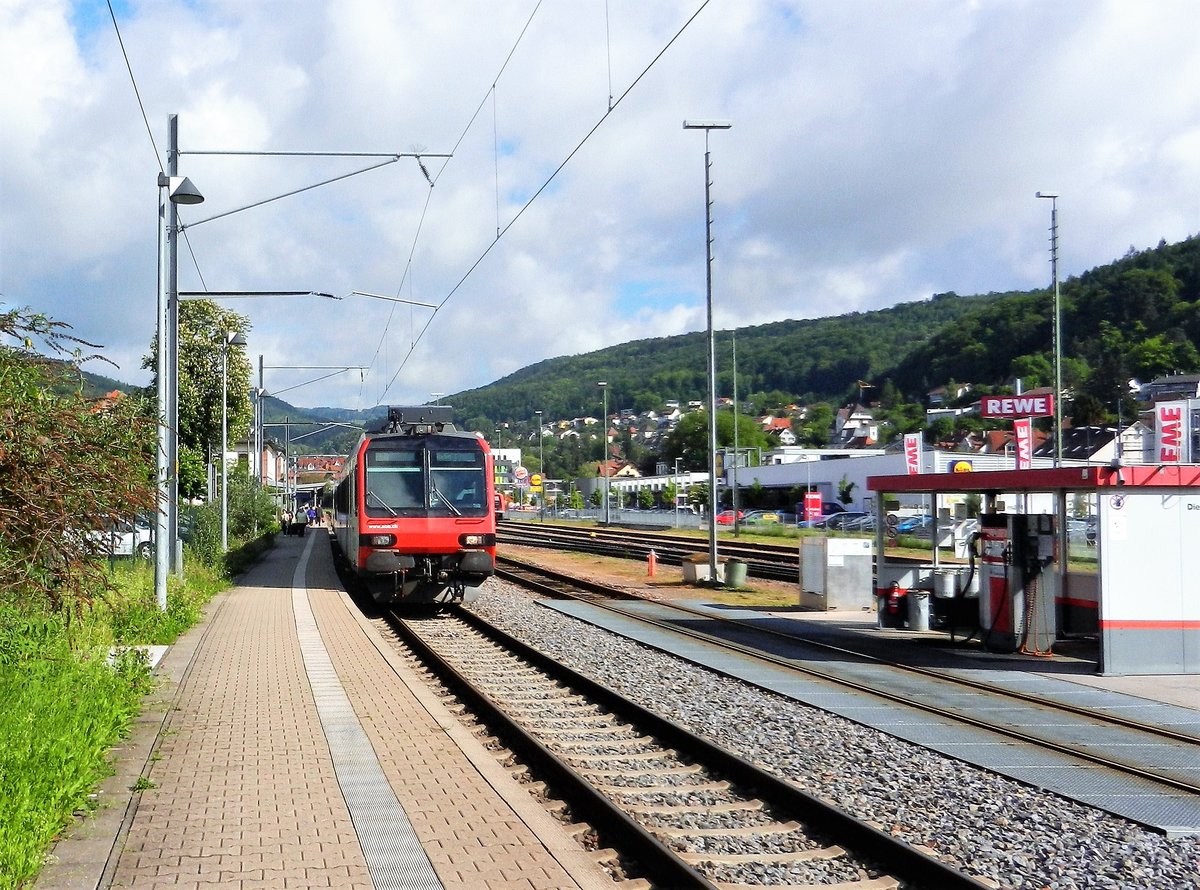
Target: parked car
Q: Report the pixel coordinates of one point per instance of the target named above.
(913, 524)
(864, 523)
(725, 517)
(762, 517)
(129, 538)
(845, 520)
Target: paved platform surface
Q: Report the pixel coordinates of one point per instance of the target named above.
(289, 747)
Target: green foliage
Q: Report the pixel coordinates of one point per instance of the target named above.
(689, 440)
(69, 468)
(202, 329)
(846, 491)
(645, 498)
(66, 704)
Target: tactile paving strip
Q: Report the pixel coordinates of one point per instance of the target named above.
(394, 855)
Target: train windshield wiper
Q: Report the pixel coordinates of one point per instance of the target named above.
(437, 493)
(382, 502)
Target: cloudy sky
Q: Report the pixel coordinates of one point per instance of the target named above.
(881, 152)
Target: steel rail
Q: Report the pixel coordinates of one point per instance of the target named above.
(765, 560)
(866, 688)
(658, 860)
(896, 856)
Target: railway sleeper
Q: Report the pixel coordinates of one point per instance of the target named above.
(608, 730)
(639, 742)
(812, 855)
(748, 831)
(884, 883)
(733, 806)
(690, 769)
(639, 790)
(657, 754)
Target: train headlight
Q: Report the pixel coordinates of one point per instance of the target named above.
(378, 540)
(477, 540)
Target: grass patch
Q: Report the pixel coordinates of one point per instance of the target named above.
(753, 598)
(66, 703)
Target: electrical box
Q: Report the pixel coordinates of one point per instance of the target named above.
(836, 573)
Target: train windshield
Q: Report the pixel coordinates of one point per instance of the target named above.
(436, 475)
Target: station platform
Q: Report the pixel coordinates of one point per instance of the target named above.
(288, 746)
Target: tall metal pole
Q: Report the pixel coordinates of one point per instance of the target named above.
(712, 369)
(162, 524)
(541, 469)
(737, 523)
(172, 344)
(1058, 386)
(604, 436)
(178, 190)
(225, 444)
(707, 126)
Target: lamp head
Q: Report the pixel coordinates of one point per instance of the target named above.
(180, 189)
(707, 124)
(235, 338)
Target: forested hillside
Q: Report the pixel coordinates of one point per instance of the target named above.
(1136, 317)
(811, 360)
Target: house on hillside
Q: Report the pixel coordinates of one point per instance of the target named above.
(779, 429)
(854, 427)
(1099, 444)
(944, 395)
(618, 469)
(1169, 388)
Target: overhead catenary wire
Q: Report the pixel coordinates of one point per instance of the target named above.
(553, 175)
(432, 179)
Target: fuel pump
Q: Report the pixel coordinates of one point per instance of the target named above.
(1018, 587)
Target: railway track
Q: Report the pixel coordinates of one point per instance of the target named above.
(775, 561)
(1099, 740)
(683, 812)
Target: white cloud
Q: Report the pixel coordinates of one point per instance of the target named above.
(880, 152)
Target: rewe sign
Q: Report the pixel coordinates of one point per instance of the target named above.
(1017, 406)
(1169, 417)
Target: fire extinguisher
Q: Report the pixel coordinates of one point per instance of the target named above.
(893, 599)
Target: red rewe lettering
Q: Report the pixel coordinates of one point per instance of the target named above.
(1170, 433)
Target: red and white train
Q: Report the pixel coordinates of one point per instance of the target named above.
(413, 509)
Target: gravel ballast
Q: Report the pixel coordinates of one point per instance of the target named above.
(999, 829)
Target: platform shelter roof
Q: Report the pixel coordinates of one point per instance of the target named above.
(1092, 477)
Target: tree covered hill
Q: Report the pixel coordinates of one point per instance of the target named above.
(1137, 317)
(813, 359)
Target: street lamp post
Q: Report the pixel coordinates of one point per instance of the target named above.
(708, 126)
(541, 469)
(178, 190)
(676, 504)
(737, 524)
(1058, 387)
(603, 384)
(232, 338)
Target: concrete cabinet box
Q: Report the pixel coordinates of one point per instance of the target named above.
(837, 573)
(696, 569)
